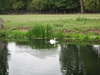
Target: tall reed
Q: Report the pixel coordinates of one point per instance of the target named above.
(40, 31)
(49, 32)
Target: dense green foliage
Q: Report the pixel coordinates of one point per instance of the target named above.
(48, 6)
(92, 5)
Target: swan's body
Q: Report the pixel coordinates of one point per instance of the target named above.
(53, 41)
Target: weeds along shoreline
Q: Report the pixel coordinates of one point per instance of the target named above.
(80, 28)
(47, 32)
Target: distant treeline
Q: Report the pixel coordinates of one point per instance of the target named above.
(49, 6)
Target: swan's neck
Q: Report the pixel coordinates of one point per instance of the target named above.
(54, 38)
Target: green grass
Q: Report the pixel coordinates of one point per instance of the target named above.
(13, 21)
(82, 26)
(17, 34)
(2, 33)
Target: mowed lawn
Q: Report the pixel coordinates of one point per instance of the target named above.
(80, 23)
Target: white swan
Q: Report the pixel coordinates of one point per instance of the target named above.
(53, 41)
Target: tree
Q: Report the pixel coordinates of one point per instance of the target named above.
(18, 5)
(68, 5)
(4, 6)
(81, 5)
(7, 6)
(38, 5)
(92, 5)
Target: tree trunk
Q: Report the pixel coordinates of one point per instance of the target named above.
(81, 4)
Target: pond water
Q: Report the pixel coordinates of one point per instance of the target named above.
(38, 57)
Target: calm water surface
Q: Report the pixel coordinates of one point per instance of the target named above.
(38, 57)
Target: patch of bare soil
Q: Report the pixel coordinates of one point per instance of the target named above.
(95, 31)
(91, 30)
(66, 30)
(25, 29)
(15, 29)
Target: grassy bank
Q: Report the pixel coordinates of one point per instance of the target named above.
(75, 26)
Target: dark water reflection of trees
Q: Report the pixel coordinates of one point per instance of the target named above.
(79, 60)
(3, 58)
